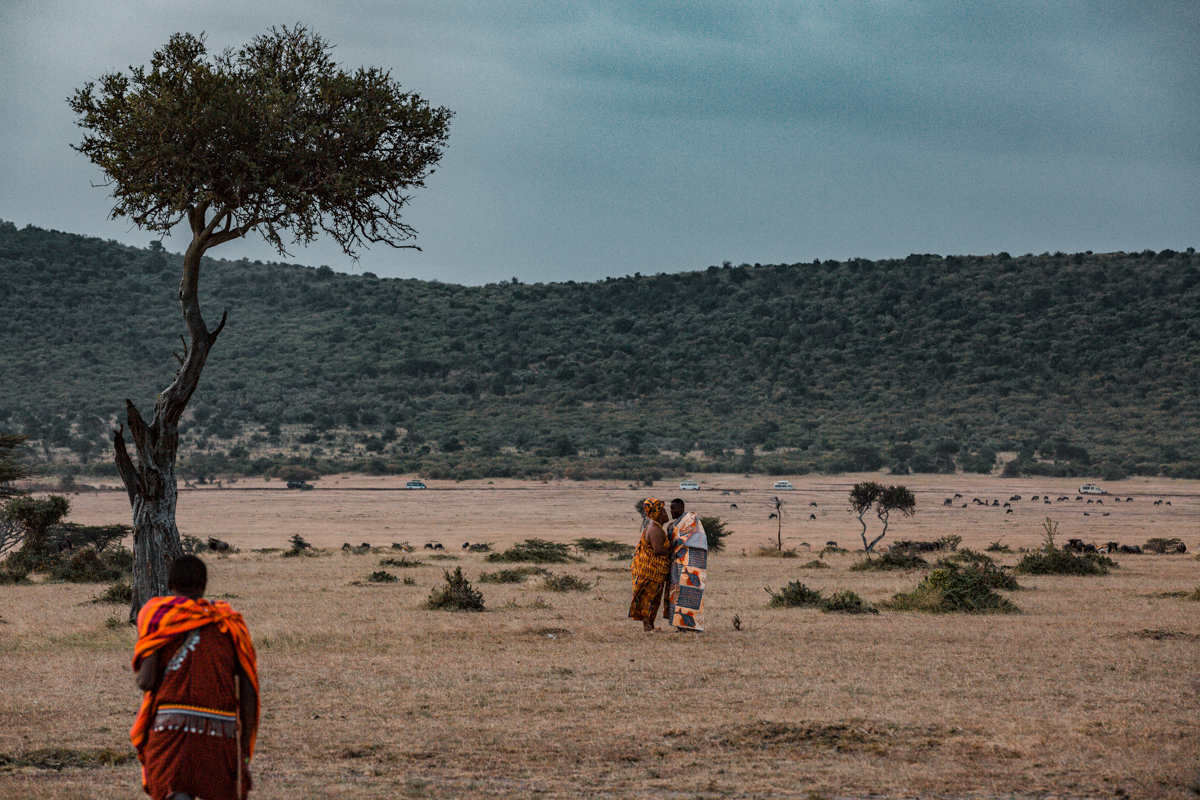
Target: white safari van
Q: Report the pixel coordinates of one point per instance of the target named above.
(1091, 488)
(784, 485)
(689, 486)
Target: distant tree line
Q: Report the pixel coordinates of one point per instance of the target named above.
(1075, 365)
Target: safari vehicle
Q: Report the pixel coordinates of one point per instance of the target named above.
(415, 485)
(689, 486)
(299, 485)
(784, 486)
(1091, 488)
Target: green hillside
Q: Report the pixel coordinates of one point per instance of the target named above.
(1083, 364)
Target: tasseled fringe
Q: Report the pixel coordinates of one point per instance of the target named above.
(194, 723)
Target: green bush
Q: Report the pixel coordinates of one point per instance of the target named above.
(88, 566)
(1161, 546)
(771, 551)
(795, 594)
(816, 563)
(381, 576)
(890, 560)
(949, 590)
(456, 594)
(13, 573)
(516, 575)
(537, 551)
(565, 583)
(619, 550)
(1060, 562)
(120, 592)
(403, 562)
(847, 602)
(715, 530)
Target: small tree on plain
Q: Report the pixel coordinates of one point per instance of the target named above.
(884, 499)
(11, 468)
(272, 138)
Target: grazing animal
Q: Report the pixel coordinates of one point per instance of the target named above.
(733, 505)
(1035, 498)
(1008, 505)
(1131, 548)
(347, 546)
(428, 546)
(831, 544)
(1015, 498)
(770, 516)
(1128, 499)
(438, 546)
(1106, 513)
(1158, 502)
(1181, 548)
(956, 495)
(813, 503)
(948, 501)
(995, 503)
(1008, 511)
(364, 546)
(466, 545)
(1086, 514)
(812, 516)
(964, 505)
(1078, 498)
(1047, 502)
(1168, 502)
(217, 545)
(1100, 502)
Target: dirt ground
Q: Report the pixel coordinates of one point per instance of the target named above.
(1091, 691)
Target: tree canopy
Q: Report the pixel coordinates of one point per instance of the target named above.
(884, 499)
(273, 137)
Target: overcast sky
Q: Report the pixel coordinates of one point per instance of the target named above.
(607, 138)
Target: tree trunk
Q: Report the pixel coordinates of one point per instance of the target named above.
(150, 481)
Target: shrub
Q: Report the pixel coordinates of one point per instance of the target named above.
(770, 551)
(816, 563)
(516, 575)
(1060, 562)
(950, 541)
(847, 602)
(565, 583)
(997, 547)
(403, 562)
(13, 573)
(833, 550)
(192, 545)
(890, 560)
(1161, 546)
(950, 590)
(619, 550)
(793, 595)
(380, 576)
(537, 551)
(88, 566)
(456, 594)
(966, 555)
(298, 542)
(716, 531)
(120, 592)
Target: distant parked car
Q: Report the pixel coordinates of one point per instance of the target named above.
(784, 486)
(689, 486)
(1091, 488)
(415, 485)
(299, 485)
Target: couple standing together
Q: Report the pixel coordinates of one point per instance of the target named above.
(669, 567)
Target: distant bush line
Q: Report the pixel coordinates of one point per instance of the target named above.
(1076, 365)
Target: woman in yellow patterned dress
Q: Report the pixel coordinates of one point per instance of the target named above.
(651, 563)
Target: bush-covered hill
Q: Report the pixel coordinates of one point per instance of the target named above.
(1084, 364)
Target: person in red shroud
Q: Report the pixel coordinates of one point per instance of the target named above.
(195, 731)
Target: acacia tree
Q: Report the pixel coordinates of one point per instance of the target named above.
(273, 138)
(885, 500)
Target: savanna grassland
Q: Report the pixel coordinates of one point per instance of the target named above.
(1090, 691)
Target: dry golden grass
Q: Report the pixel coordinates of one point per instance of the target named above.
(1090, 692)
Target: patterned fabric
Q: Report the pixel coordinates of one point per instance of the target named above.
(689, 566)
(185, 732)
(649, 573)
